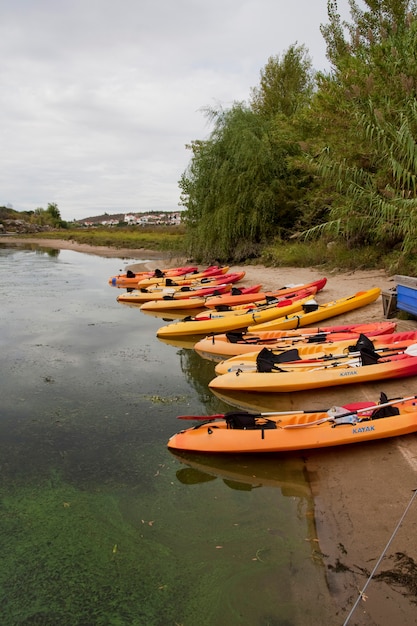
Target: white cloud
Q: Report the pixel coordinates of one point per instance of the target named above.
(99, 98)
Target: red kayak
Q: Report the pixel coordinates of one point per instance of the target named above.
(211, 272)
(207, 286)
(262, 297)
(131, 279)
(193, 299)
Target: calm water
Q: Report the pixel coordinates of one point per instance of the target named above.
(100, 524)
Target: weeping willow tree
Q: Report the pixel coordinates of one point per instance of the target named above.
(368, 103)
(239, 188)
(244, 183)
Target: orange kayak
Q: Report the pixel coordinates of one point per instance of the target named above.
(204, 286)
(132, 278)
(255, 307)
(240, 432)
(211, 272)
(302, 375)
(226, 345)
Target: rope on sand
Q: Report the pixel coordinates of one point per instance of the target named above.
(362, 593)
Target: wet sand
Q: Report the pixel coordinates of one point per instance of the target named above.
(360, 492)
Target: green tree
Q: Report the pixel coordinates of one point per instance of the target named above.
(286, 84)
(245, 183)
(55, 216)
(50, 216)
(238, 189)
(367, 106)
(379, 208)
(54, 212)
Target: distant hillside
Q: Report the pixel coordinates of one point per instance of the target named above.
(132, 219)
(7, 213)
(98, 219)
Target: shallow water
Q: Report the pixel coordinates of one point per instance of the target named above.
(99, 522)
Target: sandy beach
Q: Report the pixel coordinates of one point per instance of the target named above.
(361, 492)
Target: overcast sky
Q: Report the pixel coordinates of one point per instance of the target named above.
(98, 98)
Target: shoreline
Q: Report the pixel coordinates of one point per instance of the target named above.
(105, 251)
(271, 277)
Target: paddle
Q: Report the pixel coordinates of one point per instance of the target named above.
(219, 416)
(332, 418)
(317, 337)
(363, 409)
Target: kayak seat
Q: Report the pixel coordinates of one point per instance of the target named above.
(246, 421)
(386, 411)
(369, 356)
(267, 360)
(383, 411)
(309, 307)
(318, 338)
(234, 337)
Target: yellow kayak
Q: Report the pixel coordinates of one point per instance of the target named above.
(231, 322)
(323, 311)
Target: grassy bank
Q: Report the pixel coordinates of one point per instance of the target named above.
(335, 255)
(170, 239)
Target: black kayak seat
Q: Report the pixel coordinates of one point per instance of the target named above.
(247, 421)
(267, 360)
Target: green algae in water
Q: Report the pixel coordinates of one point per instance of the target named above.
(69, 558)
(96, 525)
(78, 558)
